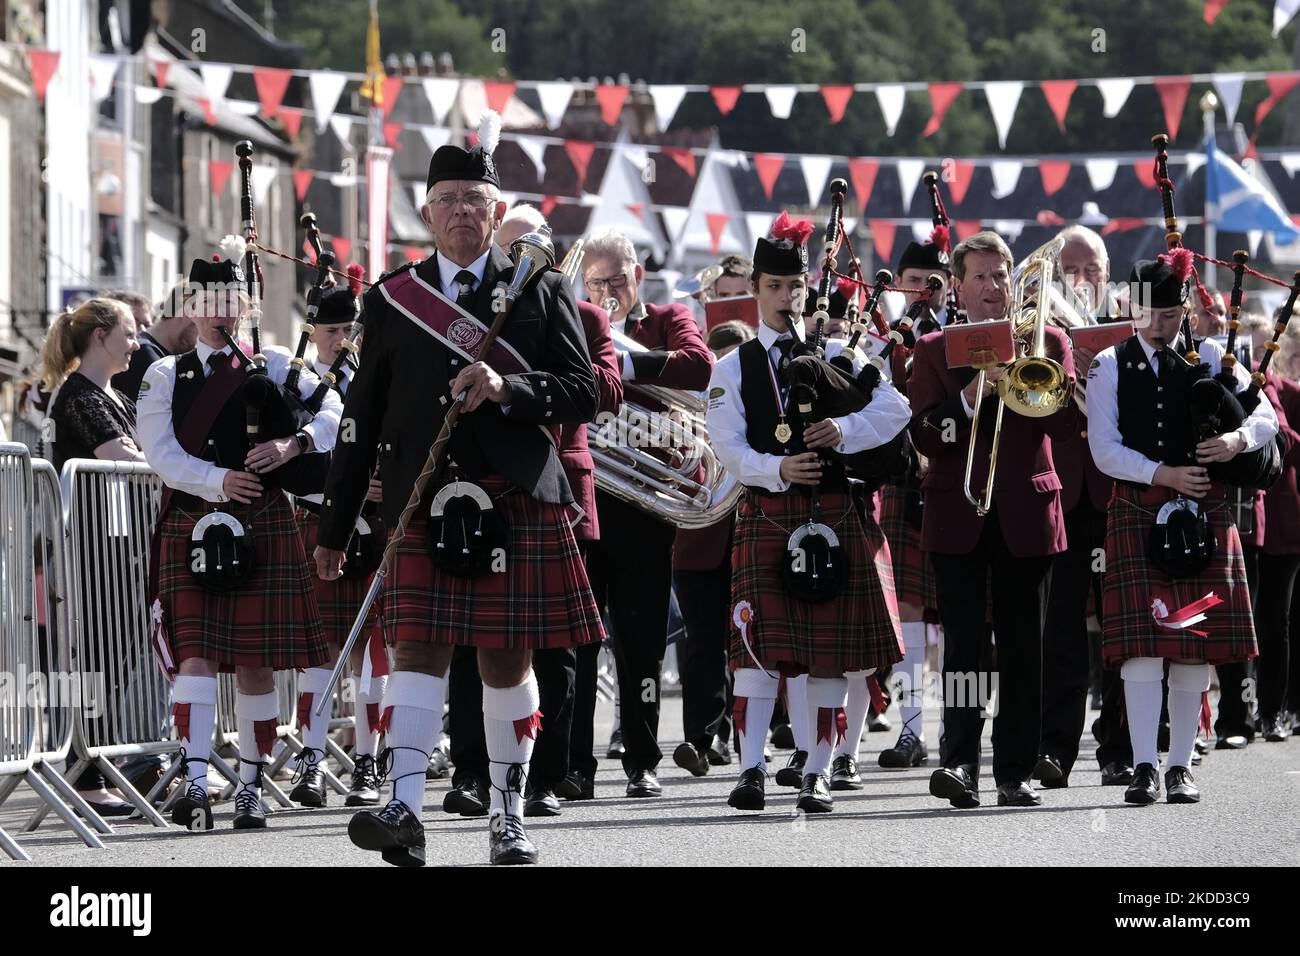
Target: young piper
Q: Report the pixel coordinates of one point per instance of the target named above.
(194, 430)
(793, 475)
(1140, 434)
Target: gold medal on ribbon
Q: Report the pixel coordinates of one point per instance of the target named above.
(783, 432)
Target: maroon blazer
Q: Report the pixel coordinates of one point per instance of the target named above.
(1027, 489)
(575, 457)
(1077, 470)
(676, 347)
(1282, 501)
(703, 549)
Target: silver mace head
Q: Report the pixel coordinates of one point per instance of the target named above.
(533, 253)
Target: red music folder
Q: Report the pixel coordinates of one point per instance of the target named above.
(1098, 338)
(741, 307)
(979, 343)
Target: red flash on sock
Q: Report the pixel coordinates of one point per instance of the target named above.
(841, 725)
(181, 715)
(264, 733)
(825, 723)
(372, 718)
(304, 709)
(381, 725)
(877, 694)
(528, 726)
(738, 713)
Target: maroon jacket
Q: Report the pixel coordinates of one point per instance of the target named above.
(1077, 470)
(575, 457)
(677, 356)
(1027, 490)
(1282, 501)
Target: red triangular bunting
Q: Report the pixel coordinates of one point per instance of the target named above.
(768, 166)
(44, 63)
(413, 253)
(392, 133)
(1146, 173)
(301, 182)
(1058, 93)
(882, 236)
(579, 154)
(725, 97)
(292, 120)
(963, 172)
(1173, 96)
(160, 68)
(342, 249)
(1122, 225)
(271, 86)
(682, 157)
(498, 94)
(392, 90)
(862, 173)
(209, 114)
(717, 222)
(1054, 173)
(965, 228)
(636, 209)
(837, 100)
(941, 97)
(611, 98)
(1213, 8)
(1278, 87)
(548, 204)
(219, 171)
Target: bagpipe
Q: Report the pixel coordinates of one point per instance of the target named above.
(942, 236)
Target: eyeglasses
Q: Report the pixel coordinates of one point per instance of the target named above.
(613, 282)
(476, 200)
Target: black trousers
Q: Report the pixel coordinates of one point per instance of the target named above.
(704, 598)
(1277, 576)
(1065, 636)
(1113, 742)
(1019, 591)
(1235, 715)
(631, 574)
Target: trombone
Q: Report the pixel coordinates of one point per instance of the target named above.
(1034, 385)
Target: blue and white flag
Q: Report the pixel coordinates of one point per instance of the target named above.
(1235, 201)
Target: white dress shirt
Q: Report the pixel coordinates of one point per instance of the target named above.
(448, 270)
(183, 471)
(628, 372)
(1110, 453)
(345, 374)
(884, 417)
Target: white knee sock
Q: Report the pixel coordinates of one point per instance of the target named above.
(911, 678)
(315, 729)
(256, 716)
(796, 705)
(416, 702)
(367, 716)
(825, 696)
(1187, 682)
(856, 702)
(194, 710)
(755, 696)
(511, 721)
(1142, 677)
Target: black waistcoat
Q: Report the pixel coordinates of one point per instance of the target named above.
(1153, 416)
(227, 441)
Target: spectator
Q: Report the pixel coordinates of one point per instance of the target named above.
(1208, 322)
(173, 334)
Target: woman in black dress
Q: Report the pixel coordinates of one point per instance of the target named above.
(84, 349)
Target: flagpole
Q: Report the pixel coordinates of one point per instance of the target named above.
(1209, 102)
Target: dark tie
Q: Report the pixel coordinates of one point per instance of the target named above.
(216, 360)
(1164, 361)
(784, 345)
(465, 279)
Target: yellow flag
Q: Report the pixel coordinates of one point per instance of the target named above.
(372, 87)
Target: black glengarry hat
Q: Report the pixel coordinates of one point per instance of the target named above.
(783, 252)
(472, 165)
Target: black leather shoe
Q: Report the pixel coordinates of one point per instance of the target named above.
(508, 843)
(249, 812)
(1178, 786)
(1201, 746)
(1145, 787)
(643, 783)
(791, 775)
(576, 786)
(783, 737)
(364, 791)
(879, 724)
(439, 765)
(1116, 774)
(719, 755)
(541, 802)
(844, 774)
(1048, 772)
(955, 785)
(193, 810)
(1232, 742)
(310, 779)
(909, 751)
(616, 749)
(469, 798)
(394, 831)
(689, 758)
(815, 794)
(1276, 729)
(1018, 794)
(749, 791)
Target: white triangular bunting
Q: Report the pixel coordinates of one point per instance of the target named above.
(1009, 229)
(440, 91)
(1253, 236)
(418, 193)
(262, 177)
(326, 88)
(675, 220)
(148, 95)
(1290, 162)
(780, 99)
(666, 100)
(891, 96)
(1114, 92)
(243, 107)
(102, 70)
(1101, 173)
(435, 136)
(921, 229)
(816, 170)
(1003, 97)
(341, 123)
(535, 148)
(555, 97)
(1229, 87)
(636, 155)
(909, 176)
(1006, 173)
(758, 223)
(216, 80)
(1194, 162)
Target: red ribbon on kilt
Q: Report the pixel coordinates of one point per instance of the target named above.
(528, 726)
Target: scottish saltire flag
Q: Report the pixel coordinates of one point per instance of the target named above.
(1236, 201)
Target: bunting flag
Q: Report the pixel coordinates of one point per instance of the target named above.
(435, 137)
(548, 205)
(1213, 8)
(271, 85)
(392, 135)
(243, 107)
(498, 94)
(392, 90)
(1101, 173)
(682, 157)
(780, 99)
(816, 171)
(209, 113)
(1003, 96)
(216, 80)
(962, 173)
(941, 98)
(342, 249)
(725, 97)
(579, 154)
(413, 253)
(1278, 88)
(441, 92)
(147, 96)
(768, 166)
(43, 64)
(965, 228)
(890, 96)
(1054, 174)
(862, 174)
(292, 119)
(611, 98)
(1006, 175)
(1145, 173)
(219, 171)
(666, 99)
(909, 176)
(160, 68)
(837, 100)
(262, 177)
(1173, 97)
(554, 97)
(326, 87)
(301, 183)
(1229, 87)
(535, 149)
(636, 209)
(102, 71)
(717, 222)
(882, 237)
(1283, 12)
(342, 127)
(760, 223)
(1058, 93)
(1114, 93)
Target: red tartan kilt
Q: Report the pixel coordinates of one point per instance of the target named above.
(857, 630)
(541, 600)
(271, 621)
(338, 601)
(913, 574)
(1131, 582)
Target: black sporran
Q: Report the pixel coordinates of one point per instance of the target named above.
(814, 566)
(222, 556)
(467, 536)
(1181, 542)
(365, 551)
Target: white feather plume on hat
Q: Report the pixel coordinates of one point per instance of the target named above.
(489, 130)
(233, 248)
